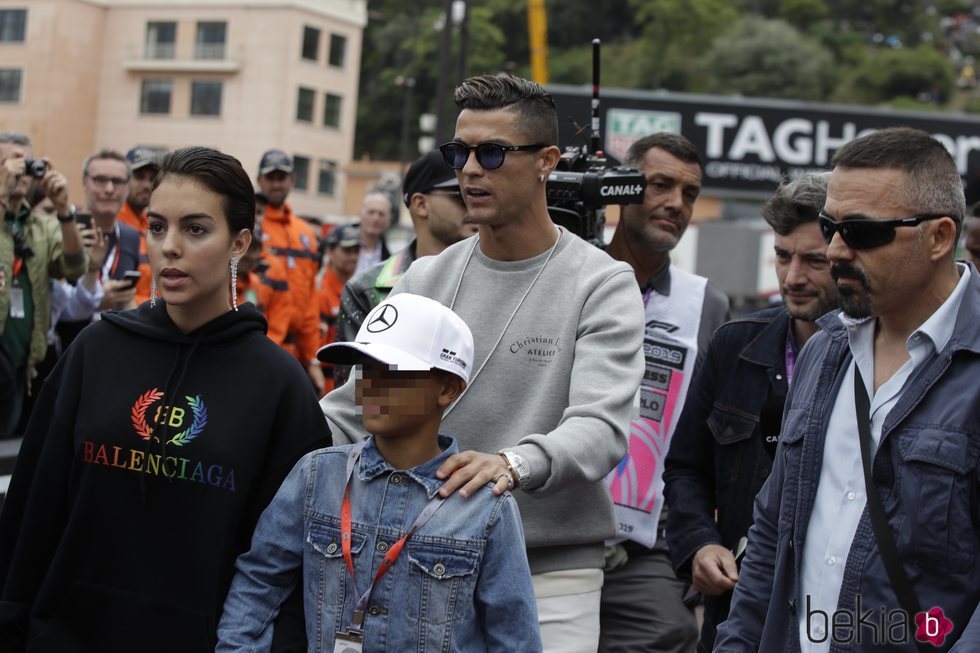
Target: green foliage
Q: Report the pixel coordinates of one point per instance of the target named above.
(972, 105)
(802, 14)
(889, 74)
(768, 58)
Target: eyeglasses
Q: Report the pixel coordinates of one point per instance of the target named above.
(489, 155)
(868, 234)
(102, 181)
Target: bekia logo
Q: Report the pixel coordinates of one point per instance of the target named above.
(885, 627)
(383, 319)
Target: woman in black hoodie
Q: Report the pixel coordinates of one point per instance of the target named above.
(156, 443)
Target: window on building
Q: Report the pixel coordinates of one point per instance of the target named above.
(13, 24)
(327, 179)
(331, 110)
(338, 50)
(10, 79)
(304, 104)
(311, 43)
(206, 98)
(301, 169)
(161, 40)
(211, 40)
(155, 96)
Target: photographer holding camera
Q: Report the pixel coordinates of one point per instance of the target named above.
(32, 250)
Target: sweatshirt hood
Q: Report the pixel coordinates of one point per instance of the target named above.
(154, 322)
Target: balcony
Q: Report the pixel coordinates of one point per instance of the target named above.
(211, 59)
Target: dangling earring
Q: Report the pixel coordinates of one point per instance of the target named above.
(234, 282)
(541, 177)
(153, 291)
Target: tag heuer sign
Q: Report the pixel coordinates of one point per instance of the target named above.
(626, 126)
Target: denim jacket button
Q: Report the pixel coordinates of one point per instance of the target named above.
(382, 546)
(332, 547)
(439, 569)
(374, 610)
(396, 479)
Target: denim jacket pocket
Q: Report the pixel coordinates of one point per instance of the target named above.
(936, 479)
(443, 580)
(729, 425)
(327, 572)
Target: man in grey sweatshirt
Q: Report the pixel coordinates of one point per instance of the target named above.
(558, 328)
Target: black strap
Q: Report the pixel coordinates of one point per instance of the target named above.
(886, 543)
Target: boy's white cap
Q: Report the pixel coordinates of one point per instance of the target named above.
(409, 333)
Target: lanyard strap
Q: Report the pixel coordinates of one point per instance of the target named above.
(346, 532)
(883, 534)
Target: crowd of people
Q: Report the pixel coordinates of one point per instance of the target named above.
(500, 438)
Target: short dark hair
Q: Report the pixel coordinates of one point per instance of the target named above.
(673, 144)
(934, 185)
(218, 172)
(105, 154)
(796, 202)
(534, 105)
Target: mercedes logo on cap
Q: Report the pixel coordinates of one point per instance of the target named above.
(384, 320)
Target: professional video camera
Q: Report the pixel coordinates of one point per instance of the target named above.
(583, 184)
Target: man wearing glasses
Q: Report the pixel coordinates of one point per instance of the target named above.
(558, 328)
(884, 397)
(105, 180)
(439, 217)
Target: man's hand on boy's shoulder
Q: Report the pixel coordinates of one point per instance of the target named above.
(468, 471)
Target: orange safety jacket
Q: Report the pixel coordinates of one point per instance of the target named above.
(138, 222)
(293, 242)
(269, 291)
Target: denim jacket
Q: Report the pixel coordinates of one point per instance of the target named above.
(717, 459)
(461, 583)
(926, 469)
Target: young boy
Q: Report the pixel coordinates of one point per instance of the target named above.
(387, 564)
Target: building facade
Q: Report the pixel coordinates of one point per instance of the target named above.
(241, 76)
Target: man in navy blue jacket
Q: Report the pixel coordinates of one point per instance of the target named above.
(725, 440)
(813, 578)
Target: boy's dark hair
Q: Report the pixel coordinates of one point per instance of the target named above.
(535, 106)
(218, 172)
(796, 202)
(673, 144)
(933, 183)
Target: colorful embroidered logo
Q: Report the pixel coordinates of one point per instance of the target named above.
(932, 626)
(170, 415)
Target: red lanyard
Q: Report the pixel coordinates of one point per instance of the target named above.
(18, 264)
(346, 531)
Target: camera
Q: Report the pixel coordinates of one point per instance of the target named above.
(36, 167)
(22, 249)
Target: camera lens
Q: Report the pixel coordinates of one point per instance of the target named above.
(37, 168)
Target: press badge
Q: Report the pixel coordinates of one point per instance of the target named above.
(348, 642)
(17, 302)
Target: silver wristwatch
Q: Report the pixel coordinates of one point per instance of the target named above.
(517, 465)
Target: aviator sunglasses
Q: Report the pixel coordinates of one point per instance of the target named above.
(489, 155)
(867, 234)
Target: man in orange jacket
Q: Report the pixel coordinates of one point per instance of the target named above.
(292, 241)
(343, 250)
(143, 169)
(263, 281)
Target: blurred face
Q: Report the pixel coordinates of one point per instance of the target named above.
(276, 186)
(344, 260)
(880, 280)
(375, 216)
(140, 186)
(672, 189)
(499, 196)
(448, 222)
(803, 271)
(394, 403)
(190, 246)
(12, 150)
(973, 241)
(106, 187)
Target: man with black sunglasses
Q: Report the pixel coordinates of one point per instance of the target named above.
(867, 532)
(558, 329)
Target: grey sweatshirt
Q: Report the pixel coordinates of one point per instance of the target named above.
(557, 388)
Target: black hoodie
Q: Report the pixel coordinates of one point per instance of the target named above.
(148, 459)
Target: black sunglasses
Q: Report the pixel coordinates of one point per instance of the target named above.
(489, 155)
(868, 234)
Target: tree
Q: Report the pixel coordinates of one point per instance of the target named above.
(891, 73)
(768, 58)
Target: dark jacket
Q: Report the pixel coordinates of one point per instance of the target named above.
(718, 458)
(145, 466)
(926, 470)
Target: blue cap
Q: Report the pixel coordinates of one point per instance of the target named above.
(140, 157)
(345, 235)
(274, 160)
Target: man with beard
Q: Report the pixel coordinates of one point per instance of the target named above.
(143, 170)
(872, 511)
(642, 599)
(725, 441)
